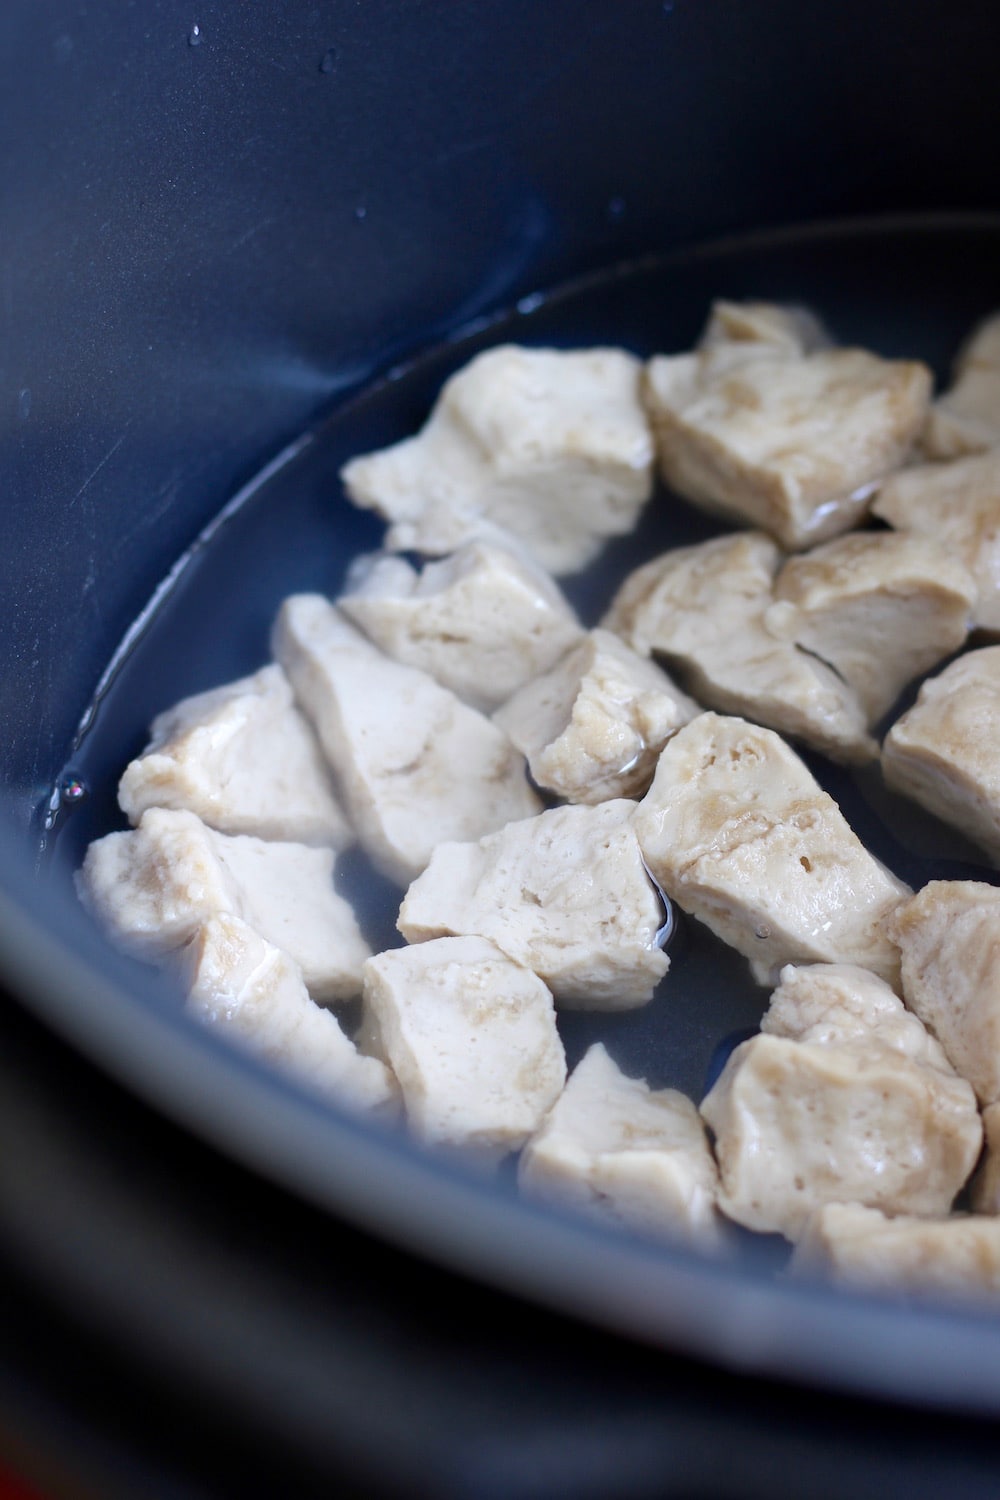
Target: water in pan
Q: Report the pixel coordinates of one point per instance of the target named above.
(908, 289)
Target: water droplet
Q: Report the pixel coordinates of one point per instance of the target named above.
(530, 303)
(329, 60)
(73, 789)
(24, 404)
(616, 208)
(360, 212)
(762, 931)
(194, 36)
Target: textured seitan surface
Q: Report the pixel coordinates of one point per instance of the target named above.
(254, 995)
(565, 893)
(843, 1098)
(593, 727)
(737, 831)
(413, 764)
(547, 447)
(482, 622)
(471, 1036)
(245, 760)
(944, 752)
(625, 1154)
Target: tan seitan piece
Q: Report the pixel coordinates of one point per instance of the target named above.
(944, 752)
(254, 995)
(154, 886)
(472, 1038)
(957, 507)
(565, 894)
(414, 765)
(985, 1196)
(949, 939)
(966, 419)
(625, 1154)
(861, 1247)
(245, 760)
(549, 447)
(741, 327)
(739, 834)
(880, 608)
(482, 622)
(593, 727)
(706, 611)
(792, 443)
(843, 1098)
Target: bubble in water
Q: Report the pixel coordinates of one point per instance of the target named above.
(329, 60)
(762, 931)
(194, 36)
(73, 789)
(24, 404)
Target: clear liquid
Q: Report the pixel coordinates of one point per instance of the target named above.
(903, 290)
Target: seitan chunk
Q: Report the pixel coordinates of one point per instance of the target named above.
(593, 726)
(861, 1247)
(471, 1036)
(843, 1098)
(549, 447)
(566, 894)
(155, 886)
(254, 995)
(944, 752)
(482, 622)
(625, 1154)
(878, 607)
(706, 611)
(414, 764)
(985, 1195)
(739, 834)
(949, 939)
(957, 507)
(245, 760)
(966, 419)
(741, 327)
(792, 443)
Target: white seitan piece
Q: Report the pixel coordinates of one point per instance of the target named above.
(624, 1153)
(549, 447)
(792, 443)
(154, 886)
(949, 939)
(739, 834)
(593, 726)
(879, 607)
(482, 622)
(957, 507)
(706, 611)
(565, 894)
(743, 326)
(985, 1196)
(861, 1247)
(844, 1098)
(254, 994)
(413, 763)
(471, 1037)
(966, 419)
(944, 752)
(245, 760)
